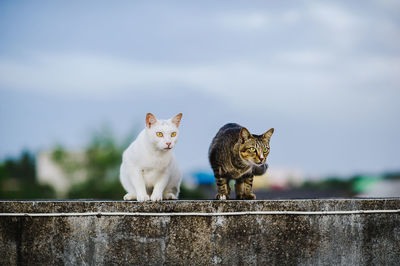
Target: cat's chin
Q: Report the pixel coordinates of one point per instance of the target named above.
(260, 169)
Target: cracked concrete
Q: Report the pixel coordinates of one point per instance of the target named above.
(357, 239)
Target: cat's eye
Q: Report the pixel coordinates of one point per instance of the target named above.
(159, 134)
(252, 149)
(265, 150)
(173, 134)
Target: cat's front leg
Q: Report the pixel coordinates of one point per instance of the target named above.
(138, 183)
(248, 188)
(239, 188)
(159, 188)
(171, 193)
(224, 190)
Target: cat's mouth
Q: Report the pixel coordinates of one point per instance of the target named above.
(168, 148)
(263, 165)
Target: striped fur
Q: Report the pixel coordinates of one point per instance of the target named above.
(236, 154)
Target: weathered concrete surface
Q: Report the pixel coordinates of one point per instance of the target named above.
(358, 239)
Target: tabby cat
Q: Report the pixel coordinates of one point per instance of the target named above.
(236, 154)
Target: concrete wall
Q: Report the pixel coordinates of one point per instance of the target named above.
(356, 239)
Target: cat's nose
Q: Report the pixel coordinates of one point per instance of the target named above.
(168, 143)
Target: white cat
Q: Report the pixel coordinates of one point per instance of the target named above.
(149, 170)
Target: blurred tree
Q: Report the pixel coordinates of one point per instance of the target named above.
(18, 179)
(345, 186)
(101, 163)
(392, 176)
(191, 193)
(102, 158)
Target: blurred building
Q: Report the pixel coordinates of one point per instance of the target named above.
(381, 188)
(277, 178)
(52, 173)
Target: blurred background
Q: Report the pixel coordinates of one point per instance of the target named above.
(78, 77)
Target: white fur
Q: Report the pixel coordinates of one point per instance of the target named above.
(149, 170)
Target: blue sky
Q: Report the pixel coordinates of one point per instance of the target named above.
(325, 75)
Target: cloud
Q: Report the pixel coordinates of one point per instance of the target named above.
(340, 25)
(334, 17)
(389, 3)
(256, 21)
(303, 80)
(321, 71)
(84, 74)
(302, 59)
(243, 21)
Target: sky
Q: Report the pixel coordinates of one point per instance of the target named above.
(325, 75)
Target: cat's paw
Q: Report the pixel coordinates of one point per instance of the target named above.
(143, 198)
(222, 197)
(170, 196)
(130, 196)
(250, 196)
(156, 197)
(240, 196)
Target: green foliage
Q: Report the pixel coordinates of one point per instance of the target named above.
(68, 162)
(360, 184)
(18, 179)
(59, 154)
(332, 183)
(350, 186)
(22, 168)
(190, 194)
(99, 162)
(392, 176)
(97, 189)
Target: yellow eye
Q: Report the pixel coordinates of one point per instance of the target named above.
(252, 149)
(265, 150)
(159, 134)
(173, 134)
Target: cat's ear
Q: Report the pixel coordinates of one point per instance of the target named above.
(267, 135)
(150, 120)
(244, 134)
(177, 119)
